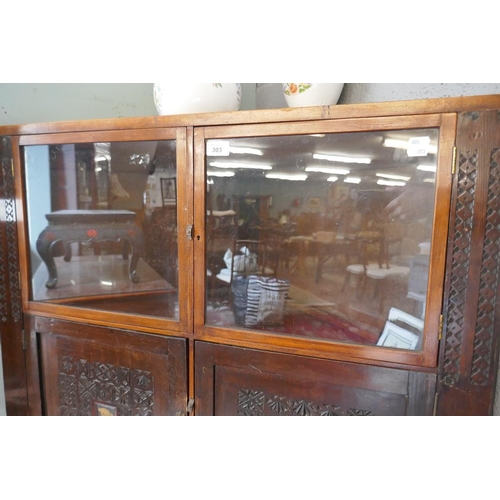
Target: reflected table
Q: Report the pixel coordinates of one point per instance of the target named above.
(92, 227)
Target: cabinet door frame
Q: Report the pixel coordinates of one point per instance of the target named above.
(184, 168)
(247, 382)
(428, 356)
(165, 356)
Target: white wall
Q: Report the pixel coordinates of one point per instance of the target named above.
(39, 102)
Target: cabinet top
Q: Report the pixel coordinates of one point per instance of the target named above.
(335, 112)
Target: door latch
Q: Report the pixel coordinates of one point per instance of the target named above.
(190, 231)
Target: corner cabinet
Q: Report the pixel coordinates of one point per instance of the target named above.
(337, 260)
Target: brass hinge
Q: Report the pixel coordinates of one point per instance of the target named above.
(190, 405)
(441, 321)
(454, 161)
(12, 167)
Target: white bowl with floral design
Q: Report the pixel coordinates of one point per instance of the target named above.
(179, 98)
(311, 94)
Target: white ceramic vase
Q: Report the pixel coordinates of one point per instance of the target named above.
(179, 98)
(311, 94)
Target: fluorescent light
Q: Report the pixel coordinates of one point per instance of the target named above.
(226, 164)
(383, 182)
(393, 176)
(352, 180)
(333, 178)
(245, 151)
(395, 143)
(287, 177)
(341, 159)
(427, 168)
(220, 174)
(329, 170)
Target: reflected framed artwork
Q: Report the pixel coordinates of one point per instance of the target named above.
(168, 191)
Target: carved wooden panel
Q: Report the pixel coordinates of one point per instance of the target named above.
(245, 382)
(89, 388)
(469, 350)
(258, 403)
(97, 371)
(14, 371)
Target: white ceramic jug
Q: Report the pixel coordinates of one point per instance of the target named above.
(178, 98)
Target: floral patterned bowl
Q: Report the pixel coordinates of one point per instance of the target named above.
(311, 94)
(177, 98)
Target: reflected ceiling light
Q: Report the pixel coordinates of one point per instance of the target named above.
(333, 178)
(225, 164)
(210, 181)
(395, 143)
(342, 159)
(287, 177)
(317, 135)
(430, 179)
(383, 182)
(352, 180)
(245, 151)
(393, 176)
(220, 174)
(427, 168)
(401, 144)
(329, 170)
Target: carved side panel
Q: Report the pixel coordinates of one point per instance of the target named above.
(469, 350)
(460, 258)
(10, 296)
(14, 370)
(482, 361)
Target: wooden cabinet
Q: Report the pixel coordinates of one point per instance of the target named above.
(381, 218)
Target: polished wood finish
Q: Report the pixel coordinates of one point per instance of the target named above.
(99, 371)
(469, 350)
(427, 357)
(234, 372)
(236, 382)
(336, 112)
(11, 329)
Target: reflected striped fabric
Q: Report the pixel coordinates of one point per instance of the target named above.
(266, 301)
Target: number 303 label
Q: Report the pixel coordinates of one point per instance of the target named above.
(217, 148)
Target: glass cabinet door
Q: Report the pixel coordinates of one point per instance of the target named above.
(323, 236)
(102, 222)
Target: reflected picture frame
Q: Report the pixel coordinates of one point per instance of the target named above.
(396, 337)
(168, 190)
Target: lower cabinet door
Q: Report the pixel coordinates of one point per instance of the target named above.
(88, 370)
(235, 381)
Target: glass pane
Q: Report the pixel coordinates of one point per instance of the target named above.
(322, 236)
(102, 225)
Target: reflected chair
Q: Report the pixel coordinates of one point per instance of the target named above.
(393, 269)
(251, 257)
(380, 256)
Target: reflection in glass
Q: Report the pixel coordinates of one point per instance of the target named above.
(101, 234)
(325, 236)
